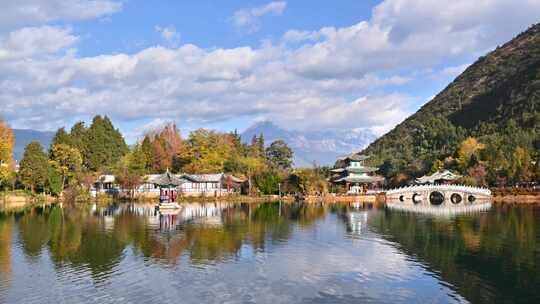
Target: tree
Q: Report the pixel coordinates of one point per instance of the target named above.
(268, 182)
(6, 152)
(251, 166)
(520, 166)
(67, 161)
(61, 137)
(468, 150)
(279, 155)
(79, 138)
(54, 181)
(33, 167)
(105, 144)
(130, 169)
(437, 165)
(478, 174)
(161, 147)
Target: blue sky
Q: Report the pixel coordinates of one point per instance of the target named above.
(304, 65)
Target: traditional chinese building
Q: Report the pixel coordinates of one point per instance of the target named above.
(439, 177)
(355, 175)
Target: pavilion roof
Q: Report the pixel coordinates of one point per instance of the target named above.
(439, 175)
(211, 178)
(362, 169)
(360, 179)
(354, 157)
(167, 179)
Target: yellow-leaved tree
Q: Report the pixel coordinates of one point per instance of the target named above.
(469, 150)
(6, 152)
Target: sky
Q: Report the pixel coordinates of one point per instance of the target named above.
(304, 64)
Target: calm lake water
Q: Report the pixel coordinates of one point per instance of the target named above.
(267, 253)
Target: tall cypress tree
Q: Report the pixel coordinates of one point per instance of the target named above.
(78, 137)
(105, 144)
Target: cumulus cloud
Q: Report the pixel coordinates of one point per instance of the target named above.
(17, 12)
(347, 77)
(248, 19)
(411, 34)
(32, 41)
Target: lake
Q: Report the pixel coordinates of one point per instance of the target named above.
(268, 253)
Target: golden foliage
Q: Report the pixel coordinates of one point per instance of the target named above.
(7, 141)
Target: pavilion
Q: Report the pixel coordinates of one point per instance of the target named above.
(351, 171)
(168, 184)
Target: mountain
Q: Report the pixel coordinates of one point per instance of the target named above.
(23, 137)
(496, 99)
(322, 147)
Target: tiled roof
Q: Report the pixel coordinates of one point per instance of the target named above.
(440, 175)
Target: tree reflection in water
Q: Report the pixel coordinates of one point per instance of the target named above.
(485, 257)
(98, 237)
(488, 257)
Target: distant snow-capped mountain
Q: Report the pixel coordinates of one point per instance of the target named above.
(321, 147)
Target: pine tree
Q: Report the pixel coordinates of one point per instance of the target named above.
(33, 167)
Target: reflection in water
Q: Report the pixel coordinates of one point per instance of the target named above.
(266, 253)
(487, 257)
(444, 211)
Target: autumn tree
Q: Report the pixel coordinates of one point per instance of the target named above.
(161, 146)
(468, 152)
(67, 161)
(6, 152)
(520, 169)
(33, 167)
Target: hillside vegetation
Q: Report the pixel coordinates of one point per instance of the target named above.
(485, 124)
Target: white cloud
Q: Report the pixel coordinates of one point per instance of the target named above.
(169, 35)
(31, 41)
(248, 19)
(409, 34)
(24, 12)
(345, 77)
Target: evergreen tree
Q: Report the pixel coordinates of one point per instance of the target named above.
(78, 138)
(33, 167)
(60, 137)
(146, 148)
(105, 144)
(261, 145)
